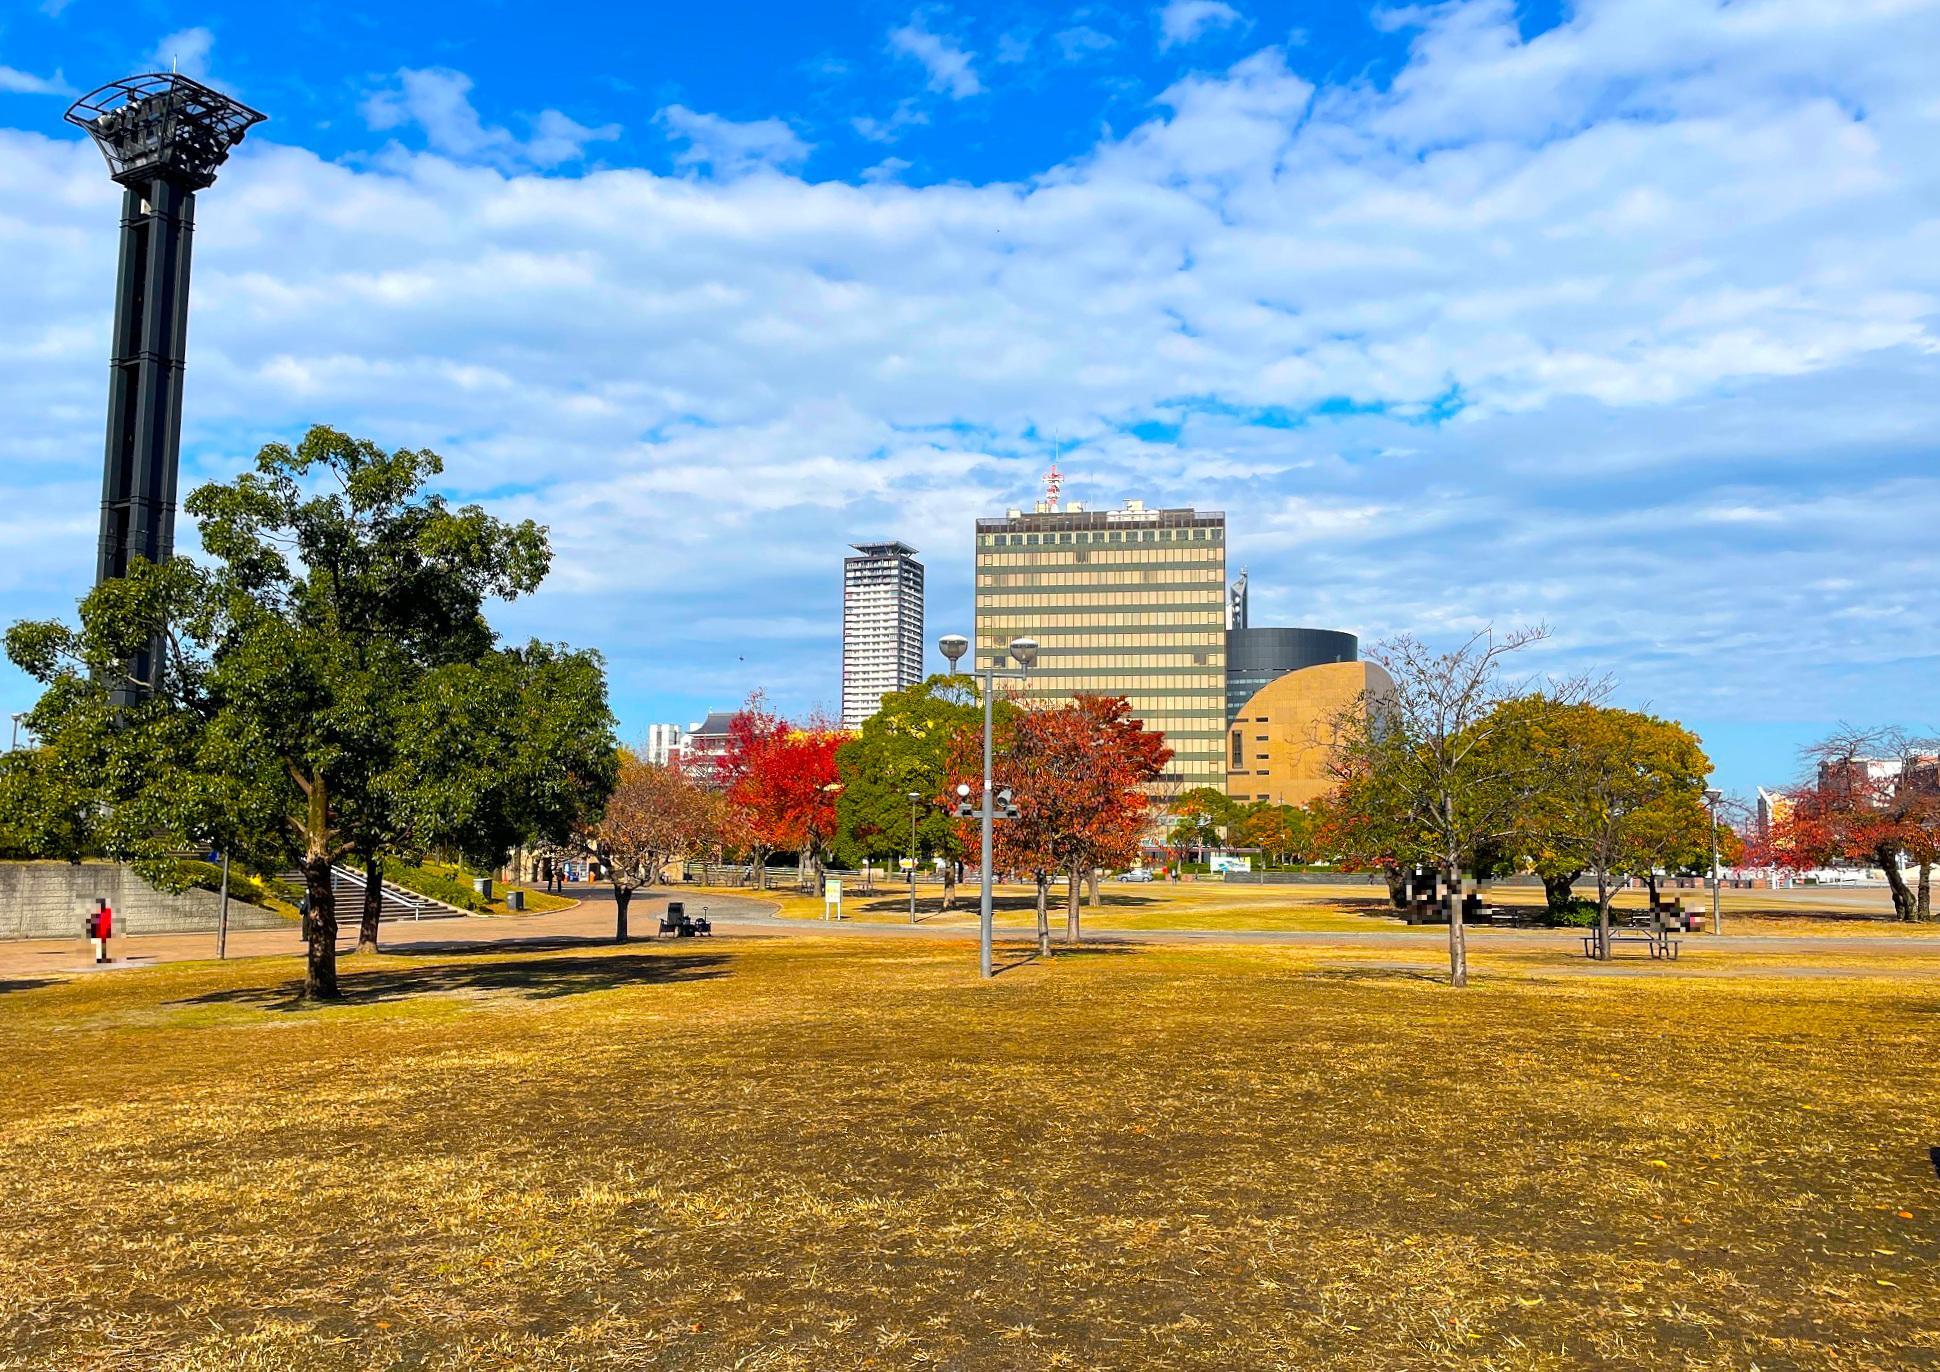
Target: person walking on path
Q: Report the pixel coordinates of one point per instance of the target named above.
(100, 926)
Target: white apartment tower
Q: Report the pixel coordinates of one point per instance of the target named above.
(666, 743)
(882, 626)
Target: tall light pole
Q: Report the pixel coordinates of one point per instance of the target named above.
(164, 137)
(1023, 651)
(914, 798)
(1711, 799)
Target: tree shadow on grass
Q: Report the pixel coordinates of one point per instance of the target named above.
(22, 983)
(1378, 972)
(526, 978)
(1010, 959)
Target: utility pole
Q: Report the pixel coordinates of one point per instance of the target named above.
(1711, 799)
(914, 798)
(222, 912)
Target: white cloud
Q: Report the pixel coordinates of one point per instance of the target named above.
(186, 51)
(1186, 21)
(1547, 329)
(950, 66)
(438, 101)
(18, 82)
(1081, 42)
(731, 148)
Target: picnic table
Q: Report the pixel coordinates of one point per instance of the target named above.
(1658, 936)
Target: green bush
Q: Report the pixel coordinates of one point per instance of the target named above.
(1577, 914)
(248, 887)
(440, 880)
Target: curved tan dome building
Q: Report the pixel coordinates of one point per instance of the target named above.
(1280, 742)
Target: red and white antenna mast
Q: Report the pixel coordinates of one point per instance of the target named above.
(1053, 484)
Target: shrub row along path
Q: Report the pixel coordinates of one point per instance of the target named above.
(591, 921)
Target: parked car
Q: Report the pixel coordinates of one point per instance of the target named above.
(1136, 874)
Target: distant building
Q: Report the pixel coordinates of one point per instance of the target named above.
(709, 738)
(1280, 746)
(882, 627)
(665, 743)
(1129, 602)
(1258, 657)
(1774, 807)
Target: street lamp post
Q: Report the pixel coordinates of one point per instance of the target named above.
(1711, 799)
(1023, 651)
(914, 798)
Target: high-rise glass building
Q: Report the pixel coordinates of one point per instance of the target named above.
(1127, 602)
(882, 626)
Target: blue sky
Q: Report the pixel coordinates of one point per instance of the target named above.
(1617, 315)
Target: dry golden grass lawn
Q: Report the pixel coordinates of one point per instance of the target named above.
(841, 1153)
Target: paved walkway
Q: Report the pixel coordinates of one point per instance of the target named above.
(592, 921)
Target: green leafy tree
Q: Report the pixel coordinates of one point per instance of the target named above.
(301, 702)
(904, 748)
(1618, 791)
(1203, 817)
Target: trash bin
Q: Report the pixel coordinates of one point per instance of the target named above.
(515, 900)
(676, 911)
(482, 886)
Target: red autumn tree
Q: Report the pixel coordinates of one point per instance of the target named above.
(779, 780)
(1873, 798)
(1079, 775)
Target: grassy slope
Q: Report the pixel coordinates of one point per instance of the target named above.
(831, 1154)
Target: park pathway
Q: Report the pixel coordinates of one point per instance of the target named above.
(591, 922)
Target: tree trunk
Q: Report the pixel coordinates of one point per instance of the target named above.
(759, 862)
(1602, 915)
(1888, 857)
(1923, 907)
(949, 883)
(320, 960)
(1044, 914)
(373, 904)
(1073, 889)
(1397, 886)
(1556, 891)
(1650, 884)
(622, 897)
(1091, 888)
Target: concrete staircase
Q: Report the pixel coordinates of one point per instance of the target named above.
(347, 886)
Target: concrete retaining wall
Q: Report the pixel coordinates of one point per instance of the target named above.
(51, 899)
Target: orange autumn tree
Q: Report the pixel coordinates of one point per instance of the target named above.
(655, 815)
(1079, 775)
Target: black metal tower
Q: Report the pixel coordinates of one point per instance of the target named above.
(164, 136)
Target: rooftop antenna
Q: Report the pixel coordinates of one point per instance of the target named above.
(1054, 479)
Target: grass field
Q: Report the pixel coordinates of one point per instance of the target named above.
(831, 1154)
(1329, 909)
